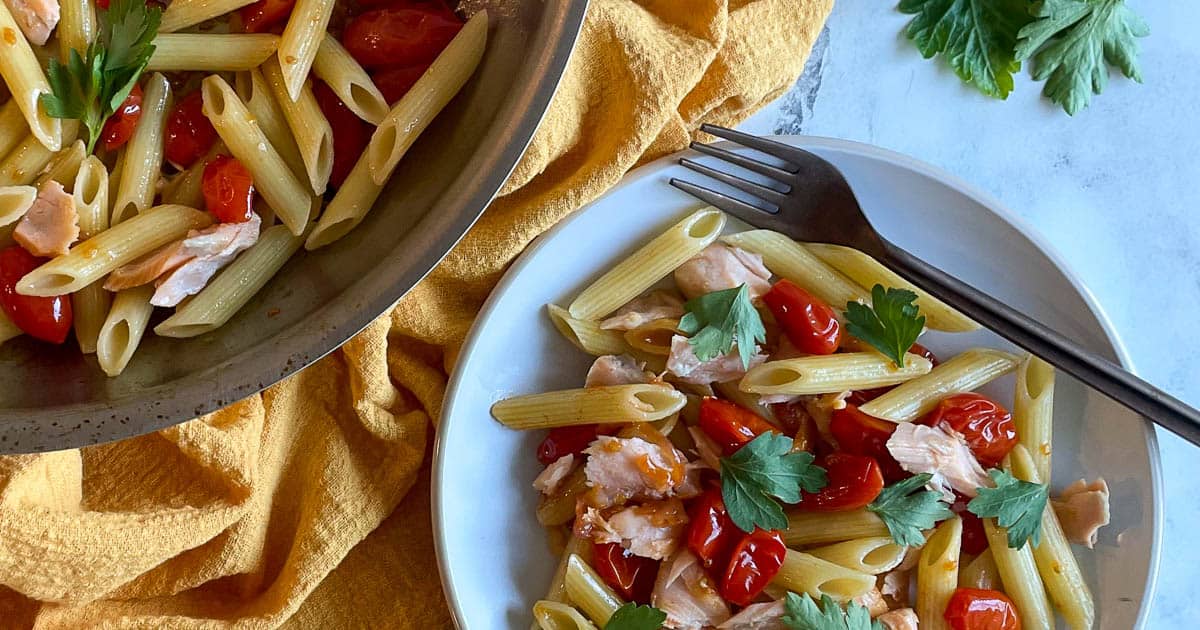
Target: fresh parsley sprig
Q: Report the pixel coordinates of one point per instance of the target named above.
(91, 88)
(1016, 505)
(907, 509)
(891, 324)
(719, 319)
(804, 614)
(976, 37)
(760, 475)
(630, 616)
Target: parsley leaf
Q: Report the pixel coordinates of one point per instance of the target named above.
(630, 616)
(1016, 505)
(976, 37)
(1070, 42)
(717, 320)
(762, 471)
(891, 324)
(907, 510)
(803, 614)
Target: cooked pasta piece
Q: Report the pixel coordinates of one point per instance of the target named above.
(818, 528)
(22, 165)
(1033, 412)
(980, 573)
(15, 202)
(874, 555)
(123, 329)
(963, 373)
(348, 207)
(937, 574)
(587, 591)
(143, 156)
(211, 52)
(301, 37)
(90, 305)
(334, 65)
(586, 334)
(550, 615)
(64, 166)
(186, 188)
(576, 546)
(616, 403)
(789, 259)
(830, 374)
(559, 508)
(653, 337)
(805, 573)
(252, 88)
(181, 14)
(76, 27)
(12, 127)
(1019, 573)
(22, 72)
(308, 126)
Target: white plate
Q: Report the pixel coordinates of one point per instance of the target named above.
(493, 555)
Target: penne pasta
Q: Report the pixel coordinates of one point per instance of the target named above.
(186, 188)
(818, 528)
(23, 164)
(1033, 412)
(980, 573)
(252, 88)
(805, 573)
(12, 127)
(937, 574)
(143, 156)
(654, 337)
(874, 555)
(334, 65)
(22, 72)
(963, 373)
(586, 334)
(789, 259)
(8, 330)
(181, 14)
(559, 508)
(210, 52)
(64, 166)
(550, 615)
(123, 329)
(15, 202)
(587, 591)
(301, 37)
(348, 207)
(1019, 573)
(617, 403)
(76, 27)
(830, 374)
(575, 546)
(308, 125)
(92, 303)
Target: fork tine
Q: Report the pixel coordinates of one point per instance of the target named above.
(732, 205)
(793, 155)
(748, 163)
(765, 193)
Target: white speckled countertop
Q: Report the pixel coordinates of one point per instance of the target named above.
(1112, 189)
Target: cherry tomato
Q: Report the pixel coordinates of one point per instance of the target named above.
(807, 321)
(119, 127)
(228, 189)
(865, 395)
(796, 420)
(755, 561)
(974, 538)
(566, 441)
(729, 425)
(984, 423)
(980, 609)
(394, 83)
(861, 434)
(854, 481)
(45, 318)
(265, 14)
(632, 577)
(189, 133)
(350, 133)
(711, 533)
(399, 36)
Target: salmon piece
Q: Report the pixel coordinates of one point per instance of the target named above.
(37, 18)
(148, 268)
(706, 448)
(51, 225)
(760, 616)
(208, 250)
(941, 453)
(616, 370)
(651, 530)
(894, 585)
(685, 592)
(873, 601)
(899, 619)
(688, 367)
(820, 408)
(1082, 510)
(551, 478)
(620, 469)
(721, 267)
(642, 310)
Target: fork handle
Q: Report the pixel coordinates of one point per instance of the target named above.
(1112, 380)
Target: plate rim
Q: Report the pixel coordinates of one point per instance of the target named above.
(983, 198)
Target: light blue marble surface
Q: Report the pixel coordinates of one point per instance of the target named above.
(1113, 189)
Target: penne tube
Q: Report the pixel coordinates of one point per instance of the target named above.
(12, 127)
(348, 207)
(22, 72)
(308, 126)
(76, 27)
(181, 14)
(789, 259)
(64, 166)
(426, 98)
(301, 37)
(653, 337)
(818, 528)
(937, 574)
(186, 188)
(867, 272)
(963, 373)
(586, 590)
(874, 555)
(252, 88)
(575, 546)
(210, 52)
(550, 615)
(123, 329)
(616, 403)
(586, 334)
(1019, 573)
(559, 508)
(96, 257)
(980, 573)
(143, 155)
(8, 330)
(805, 573)
(23, 164)
(334, 65)
(830, 374)
(1033, 412)
(15, 201)
(92, 303)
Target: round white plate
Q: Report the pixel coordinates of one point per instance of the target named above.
(494, 558)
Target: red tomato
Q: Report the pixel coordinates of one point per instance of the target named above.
(189, 133)
(119, 127)
(980, 609)
(865, 395)
(350, 133)
(974, 538)
(45, 318)
(399, 36)
(632, 577)
(861, 434)
(854, 481)
(228, 190)
(566, 441)
(711, 533)
(394, 83)
(730, 425)
(986, 425)
(265, 14)
(755, 561)
(807, 321)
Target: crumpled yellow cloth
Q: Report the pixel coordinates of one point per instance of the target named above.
(307, 506)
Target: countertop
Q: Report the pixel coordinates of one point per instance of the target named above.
(1112, 189)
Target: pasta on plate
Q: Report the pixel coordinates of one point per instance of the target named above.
(762, 442)
(174, 155)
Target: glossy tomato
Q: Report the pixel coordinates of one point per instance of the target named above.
(974, 538)
(754, 563)
(809, 323)
(228, 189)
(980, 609)
(861, 434)
(865, 395)
(730, 425)
(795, 419)
(566, 441)
(45, 318)
(632, 577)
(399, 36)
(395, 82)
(264, 15)
(350, 133)
(119, 127)
(189, 133)
(711, 533)
(854, 481)
(984, 423)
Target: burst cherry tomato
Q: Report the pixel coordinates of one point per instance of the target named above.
(399, 36)
(854, 481)
(265, 14)
(807, 321)
(729, 425)
(711, 533)
(984, 423)
(980, 609)
(119, 127)
(865, 395)
(350, 133)
(974, 538)
(45, 318)
(394, 83)
(566, 441)
(632, 577)
(228, 190)
(189, 133)
(755, 561)
(861, 434)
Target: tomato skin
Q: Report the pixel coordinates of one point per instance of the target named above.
(985, 424)
(981, 609)
(809, 323)
(730, 425)
(189, 133)
(350, 133)
(119, 127)
(854, 482)
(399, 36)
(974, 538)
(711, 533)
(228, 190)
(566, 441)
(45, 318)
(632, 577)
(860, 434)
(395, 82)
(755, 561)
(263, 15)
(866, 395)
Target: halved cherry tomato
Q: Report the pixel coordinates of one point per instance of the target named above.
(984, 423)
(854, 481)
(632, 577)
(981, 609)
(350, 133)
(265, 14)
(974, 538)
(865, 395)
(809, 323)
(119, 127)
(729, 425)
(566, 441)
(394, 83)
(45, 318)
(189, 133)
(861, 434)
(399, 36)
(711, 533)
(755, 561)
(228, 189)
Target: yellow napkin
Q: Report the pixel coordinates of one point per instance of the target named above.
(308, 505)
